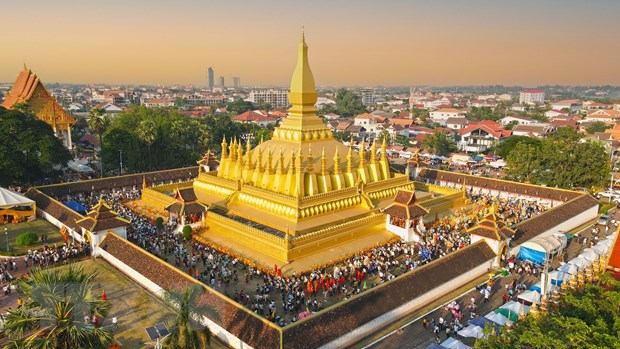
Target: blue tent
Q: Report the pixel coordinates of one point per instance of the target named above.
(528, 254)
(481, 322)
(76, 206)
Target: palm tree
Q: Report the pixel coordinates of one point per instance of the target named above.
(187, 333)
(98, 124)
(52, 313)
(146, 133)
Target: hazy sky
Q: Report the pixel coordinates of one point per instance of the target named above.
(365, 43)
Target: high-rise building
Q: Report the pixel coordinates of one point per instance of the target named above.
(276, 98)
(236, 82)
(222, 81)
(368, 96)
(532, 96)
(211, 78)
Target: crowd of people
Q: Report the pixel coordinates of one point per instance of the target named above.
(283, 299)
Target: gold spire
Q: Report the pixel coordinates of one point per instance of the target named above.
(336, 163)
(292, 168)
(248, 155)
(268, 162)
(233, 150)
(373, 152)
(350, 157)
(259, 160)
(362, 155)
(310, 161)
(280, 168)
(323, 163)
(383, 150)
(302, 123)
(239, 152)
(224, 148)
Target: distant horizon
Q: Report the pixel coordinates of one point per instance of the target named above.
(351, 43)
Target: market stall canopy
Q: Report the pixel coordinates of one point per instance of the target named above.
(530, 296)
(453, 343)
(537, 249)
(496, 318)
(471, 331)
(10, 199)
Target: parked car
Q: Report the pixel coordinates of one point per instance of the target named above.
(604, 220)
(614, 195)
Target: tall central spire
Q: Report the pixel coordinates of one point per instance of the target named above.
(302, 123)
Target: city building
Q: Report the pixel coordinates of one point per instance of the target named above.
(276, 98)
(480, 136)
(608, 116)
(532, 96)
(368, 96)
(30, 90)
(210, 78)
(236, 82)
(222, 82)
(440, 115)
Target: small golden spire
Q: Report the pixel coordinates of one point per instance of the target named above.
(292, 168)
(298, 161)
(280, 167)
(239, 152)
(224, 148)
(373, 152)
(259, 159)
(362, 154)
(323, 163)
(248, 155)
(384, 150)
(350, 158)
(268, 162)
(232, 148)
(310, 161)
(143, 182)
(336, 163)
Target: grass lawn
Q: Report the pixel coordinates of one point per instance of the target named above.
(38, 226)
(134, 307)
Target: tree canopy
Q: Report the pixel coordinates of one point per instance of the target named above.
(508, 145)
(28, 148)
(589, 319)
(564, 160)
(439, 143)
(348, 103)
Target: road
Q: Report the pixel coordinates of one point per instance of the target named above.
(413, 335)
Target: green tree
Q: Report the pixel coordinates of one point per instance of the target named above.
(589, 319)
(239, 106)
(349, 103)
(28, 148)
(597, 127)
(179, 103)
(402, 140)
(524, 161)
(439, 143)
(187, 232)
(55, 301)
(147, 134)
(187, 333)
(508, 145)
(342, 136)
(385, 134)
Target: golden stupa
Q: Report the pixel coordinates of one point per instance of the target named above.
(301, 192)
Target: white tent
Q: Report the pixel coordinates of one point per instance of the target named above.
(472, 331)
(568, 269)
(539, 249)
(10, 199)
(515, 307)
(579, 262)
(454, 343)
(601, 248)
(530, 296)
(589, 254)
(497, 318)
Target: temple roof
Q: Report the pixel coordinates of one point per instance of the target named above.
(492, 227)
(186, 202)
(405, 206)
(208, 160)
(29, 89)
(101, 218)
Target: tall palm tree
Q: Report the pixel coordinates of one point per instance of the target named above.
(98, 124)
(147, 134)
(187, 333)
(55, 304)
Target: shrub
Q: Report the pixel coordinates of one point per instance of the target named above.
(187, 232)
(27, 239)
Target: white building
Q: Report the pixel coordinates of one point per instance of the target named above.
(276, 98)
(570, 104)
(520, 120)
(442, 114)
(368, 96)
(532, 96)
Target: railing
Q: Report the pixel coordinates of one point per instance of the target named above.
(327, 197)
(338, 228)
(233, 224)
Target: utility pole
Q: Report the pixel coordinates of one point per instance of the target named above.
(121, 155)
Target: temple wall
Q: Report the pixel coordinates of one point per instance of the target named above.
(58, 224)
(155, 199)
(443, 203)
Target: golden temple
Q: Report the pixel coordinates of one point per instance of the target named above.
(301, 192)
(29, 89)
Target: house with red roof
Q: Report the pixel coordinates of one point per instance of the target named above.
(480, 136)
(442, 114)
(256, 117)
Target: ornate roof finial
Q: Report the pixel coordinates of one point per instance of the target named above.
(323, 163)
(268, 162)
(384, 150)
(362, 154)
(310, 161)
(224, 148)
(373, 151)
(336, 163)
(303, 36)
(280, 168)
(350, 158)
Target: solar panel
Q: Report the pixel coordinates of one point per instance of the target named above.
(152, 332)
(161, 328)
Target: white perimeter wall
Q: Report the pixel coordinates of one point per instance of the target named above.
(567, 225)
(58, 224)
(403, 310)
(216, 329)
